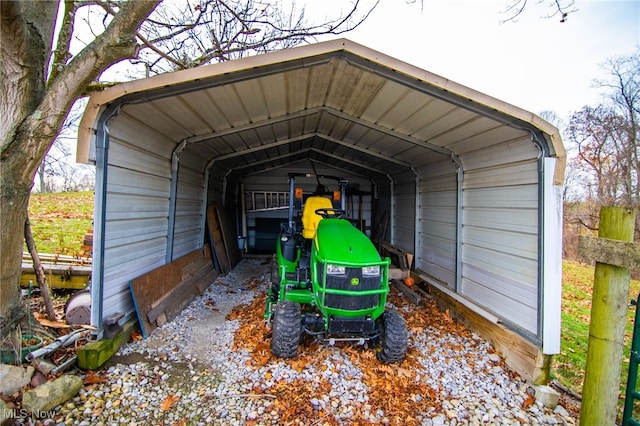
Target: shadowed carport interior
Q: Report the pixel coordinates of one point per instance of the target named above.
(469, 183)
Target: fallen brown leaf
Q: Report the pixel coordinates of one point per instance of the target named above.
(92, 378)
(169, 402)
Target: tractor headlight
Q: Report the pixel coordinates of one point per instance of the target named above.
(336, 269)
(371, 271)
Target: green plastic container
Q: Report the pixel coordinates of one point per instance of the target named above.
(9, 356)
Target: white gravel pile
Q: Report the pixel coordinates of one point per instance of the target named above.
(187, 373)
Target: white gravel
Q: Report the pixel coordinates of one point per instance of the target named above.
(190, 365)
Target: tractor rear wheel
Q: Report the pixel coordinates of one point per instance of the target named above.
(394, 338)
(287, 329)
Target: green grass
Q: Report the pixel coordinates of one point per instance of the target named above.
(59, 221)
(569, 365)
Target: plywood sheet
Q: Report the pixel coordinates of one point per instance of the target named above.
(147, 289)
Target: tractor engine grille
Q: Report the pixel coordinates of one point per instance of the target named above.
(344, 282)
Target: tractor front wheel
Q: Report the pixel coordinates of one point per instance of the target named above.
(394, 338)
(287, 329)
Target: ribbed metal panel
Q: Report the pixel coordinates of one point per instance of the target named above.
(404, 212)
(437, 226)
(189, 201)
(500, 241)
(137, 209)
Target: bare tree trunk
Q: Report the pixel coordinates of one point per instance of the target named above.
(37, 267)
(11, 309)
(33, 113)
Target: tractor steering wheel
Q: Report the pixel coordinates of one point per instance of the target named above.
(330, 213)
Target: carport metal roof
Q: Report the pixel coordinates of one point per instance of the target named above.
(335, 102)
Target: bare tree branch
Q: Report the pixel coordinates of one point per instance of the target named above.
(180, 35)
(61, 54)
(563, 8)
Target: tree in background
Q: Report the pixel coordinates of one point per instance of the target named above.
(58, 170)
(190, 34)
(605, 168)
(40, 81)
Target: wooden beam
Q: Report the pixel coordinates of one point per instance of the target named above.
(606, 329)
(408, 292)
(399, 257)
(519, 354)
(92, 355)
(609, 251)
(217, 240)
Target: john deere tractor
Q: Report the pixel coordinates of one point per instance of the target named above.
(331, 282)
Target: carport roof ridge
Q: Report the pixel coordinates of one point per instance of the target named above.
(188, 80)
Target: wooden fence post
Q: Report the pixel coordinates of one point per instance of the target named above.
(606, 331)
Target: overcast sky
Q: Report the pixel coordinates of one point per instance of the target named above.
(535, 63)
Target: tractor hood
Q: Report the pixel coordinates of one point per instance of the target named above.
(338, 241)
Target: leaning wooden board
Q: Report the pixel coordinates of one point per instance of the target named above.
(221, 230)
(217, 241)
(155, 285)
(229, 235)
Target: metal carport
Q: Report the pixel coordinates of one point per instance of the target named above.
(471, 185)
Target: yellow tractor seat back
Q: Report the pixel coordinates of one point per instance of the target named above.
(309, 217)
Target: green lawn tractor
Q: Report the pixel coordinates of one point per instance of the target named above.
(331, 282)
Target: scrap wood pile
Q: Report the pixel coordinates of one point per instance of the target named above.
(395, 389)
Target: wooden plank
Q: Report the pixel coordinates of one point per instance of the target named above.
(154, 284)
(73, 282)
(610, 251)
(180, 291)
(422, 289)
(414, 297)
(519, 354)
(229, 236)
(194, 267)
(195, 289)
(396, 273)
(399, 257)
(215, 236)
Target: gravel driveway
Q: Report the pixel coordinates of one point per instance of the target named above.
(212, 365)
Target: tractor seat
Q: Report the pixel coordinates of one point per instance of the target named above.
(309, 217)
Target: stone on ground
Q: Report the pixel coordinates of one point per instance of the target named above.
(13, 378)
(51, 394)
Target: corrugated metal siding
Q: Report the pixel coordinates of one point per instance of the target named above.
(404, 211)
(137, 208)
(500, 231)
(188, 213)
(437, 233)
